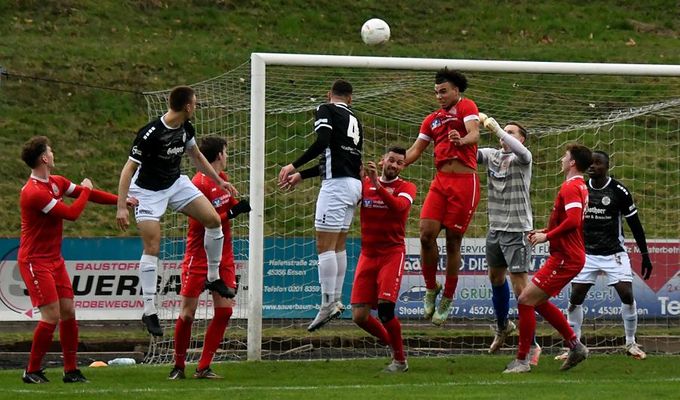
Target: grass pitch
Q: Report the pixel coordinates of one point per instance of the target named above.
(472, 377)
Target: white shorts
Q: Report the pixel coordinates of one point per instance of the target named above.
(338, 198)
(153, 203)
(616, 267)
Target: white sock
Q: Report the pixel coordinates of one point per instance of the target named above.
(328, 272)
(630, 319)
(575, 318)
(213, 239)
(341, 258)
(148, 266)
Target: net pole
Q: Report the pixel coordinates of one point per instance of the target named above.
(256, 216)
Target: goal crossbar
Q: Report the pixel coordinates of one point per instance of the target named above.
(259, 63)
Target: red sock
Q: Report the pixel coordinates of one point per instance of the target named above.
(182, 338)
(68, 336)
(527, 328)
(375, 328)
(430, 276)
(554, 316)
(450, 286)
(42, 339)
(214, 335)
(393, 328)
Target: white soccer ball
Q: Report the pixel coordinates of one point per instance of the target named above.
(375, 31)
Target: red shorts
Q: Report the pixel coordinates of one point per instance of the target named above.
(555, 274)
(46, 281)
(452, 200)
(194, 277)
(378, 277)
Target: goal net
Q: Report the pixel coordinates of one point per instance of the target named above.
(266, 115)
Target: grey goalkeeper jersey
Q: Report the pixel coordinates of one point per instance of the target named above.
(509, 180)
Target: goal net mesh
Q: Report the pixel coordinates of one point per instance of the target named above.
(634, 119)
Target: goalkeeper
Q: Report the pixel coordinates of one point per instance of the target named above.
(510, 221)
(195, 266)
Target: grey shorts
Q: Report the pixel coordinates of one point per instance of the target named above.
(508, 249)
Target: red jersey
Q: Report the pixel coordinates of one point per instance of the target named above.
(436, 127)
(41, 232)
(223, 202)
(384, 212)
(566, 236)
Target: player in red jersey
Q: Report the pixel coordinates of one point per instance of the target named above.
(454, 192)
(40, 262)
(195, 266)
(567, 256)
(385, 204)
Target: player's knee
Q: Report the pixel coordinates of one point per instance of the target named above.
(187, 316)
(496, 276)
(67, 313)
(386, 312)
(578, 294)
(428, 239)
(627, 297)
(212, 221)
(359, 314)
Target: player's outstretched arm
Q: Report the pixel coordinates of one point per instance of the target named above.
(523, 154)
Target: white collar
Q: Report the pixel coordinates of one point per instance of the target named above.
(37, 178)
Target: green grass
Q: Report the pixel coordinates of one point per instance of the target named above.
(469, 377)
(146, 45)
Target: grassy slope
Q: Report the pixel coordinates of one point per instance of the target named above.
(153, 44)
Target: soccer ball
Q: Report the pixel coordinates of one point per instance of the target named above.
(375, 31)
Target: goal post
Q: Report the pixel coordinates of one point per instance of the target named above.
(264, 109)
(259, 63)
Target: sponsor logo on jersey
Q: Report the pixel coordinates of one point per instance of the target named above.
(606, 200)
(173, 151)
(595, 210)
(136, 151)
(368, 203)
(436, 123)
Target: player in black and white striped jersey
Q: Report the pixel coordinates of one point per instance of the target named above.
(338, 143)
(152, 175)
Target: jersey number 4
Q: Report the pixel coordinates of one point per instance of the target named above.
(353, 129)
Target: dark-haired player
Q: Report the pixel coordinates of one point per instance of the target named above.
(454, 192)
(152, 175)
(608, 202)
(40, 261)
(567, 255)
(385, 205)
(339, 141)
(195, 266)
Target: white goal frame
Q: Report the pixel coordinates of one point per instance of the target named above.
(259, 63)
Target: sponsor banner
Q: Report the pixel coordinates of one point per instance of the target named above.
(106, 284)
(291, 286)
(104, 275)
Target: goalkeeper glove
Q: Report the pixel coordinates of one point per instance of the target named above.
(239, 208)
